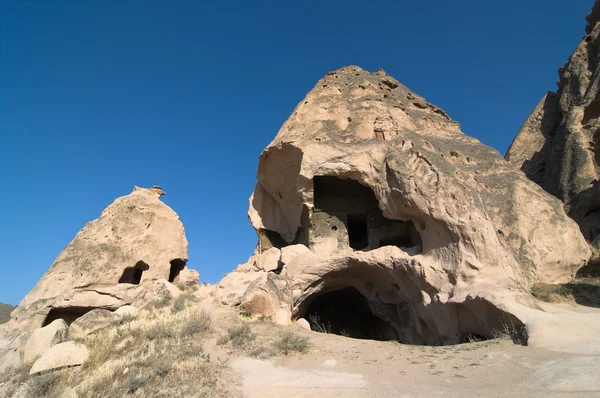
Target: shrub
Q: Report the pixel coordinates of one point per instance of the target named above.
(133, 383)
(289, 342)
(199, 322)
(42, 386)
(181, 301)
(162, 302)
(315, 324)
(237, 335)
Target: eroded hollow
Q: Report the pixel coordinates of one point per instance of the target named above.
(346, 213)
(68, 314)
(133, 275)
(177, 266)
(346, 312)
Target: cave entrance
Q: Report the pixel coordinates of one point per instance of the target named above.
(133, 274)
(177, 266)
(68, 314)
(346, 312)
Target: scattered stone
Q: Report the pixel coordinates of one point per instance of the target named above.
(303, 323)
(269, 296)
(61, 356)
(43, 339)
(126, 310)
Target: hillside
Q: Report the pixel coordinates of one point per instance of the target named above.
(5, 310)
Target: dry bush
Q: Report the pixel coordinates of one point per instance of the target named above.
(289, 342)
(237, 335)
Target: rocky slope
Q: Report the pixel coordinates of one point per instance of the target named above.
(558, 146)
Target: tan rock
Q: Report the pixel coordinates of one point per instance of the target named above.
(136, 240)
(90, 323)
(429, 233)
(269, 296)
(187, 277)
(233, 286)
(303, 323)
(61, 356)
(43, 338)
(269, 260)
(126, 310)
(558, 146)
(288, 253)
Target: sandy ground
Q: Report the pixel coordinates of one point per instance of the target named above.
(561, 361)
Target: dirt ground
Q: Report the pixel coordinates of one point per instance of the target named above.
(561, 362)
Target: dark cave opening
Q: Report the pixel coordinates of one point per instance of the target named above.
(68, 314)
(346, 312)
(177, 266)
(358, 231)
(133, 274)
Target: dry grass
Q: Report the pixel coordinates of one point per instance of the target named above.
(159, 353)
(582, 290)
(242, 339)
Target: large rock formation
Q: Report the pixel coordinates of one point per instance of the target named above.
(412, 230)
(558, 146)
(111, 262)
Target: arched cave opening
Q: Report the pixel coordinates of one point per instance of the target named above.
(346, 312)
(133, 275)
(177, 266)
(68, 314)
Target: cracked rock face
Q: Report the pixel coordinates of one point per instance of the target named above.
(558, 146)
(136, 239)
(436, 231)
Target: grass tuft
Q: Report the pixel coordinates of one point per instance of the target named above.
(289, 342)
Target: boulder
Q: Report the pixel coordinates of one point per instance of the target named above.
(288, 253)
(61, 356)
(91, 322)
(269, 260)
(43, 339)
(126, 310)
(303, 323)
(269, 296)
(137, 239)
(188, 277)
(429, 233)
(558, 146)
(233, 286)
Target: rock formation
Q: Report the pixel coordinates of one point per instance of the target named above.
(558, 146)
(115, 260)
(390, 223)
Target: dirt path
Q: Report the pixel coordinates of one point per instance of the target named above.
(344, 367)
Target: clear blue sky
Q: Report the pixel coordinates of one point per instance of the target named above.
(99, 96)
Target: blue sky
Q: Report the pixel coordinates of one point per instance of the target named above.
(99, 96)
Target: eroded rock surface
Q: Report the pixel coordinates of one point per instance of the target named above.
(558, 146)
(112, 262)
(431, 235)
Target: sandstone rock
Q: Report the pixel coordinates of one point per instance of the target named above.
(136, 240)
(303, 323)
(233, 286)
(430, 234)
(269, 260)
(61, 356)
(43, 338)
(188, 277)
(558, 146)
(91, 322)
(269, 296)
(288, 253)
(128, 310)
(154, 290)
